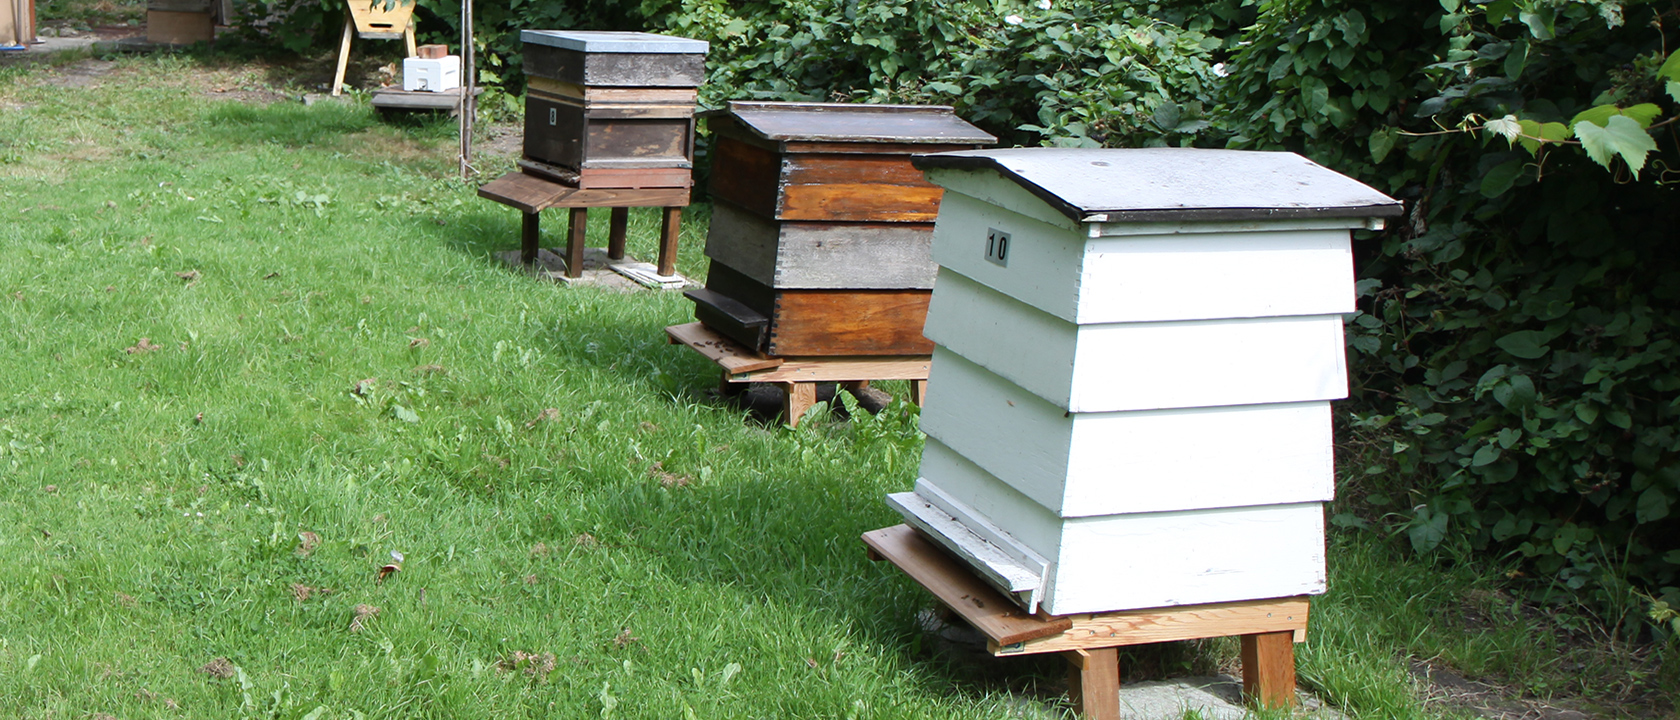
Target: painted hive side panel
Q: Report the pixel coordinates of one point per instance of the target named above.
(1013, 434)
(1184, 558)
(1198, 458)
(1040, 268)
(1030, 523)
(886, 256)
(1151, 366)
(1195, 276)
(1130, 462)
(1024, 345)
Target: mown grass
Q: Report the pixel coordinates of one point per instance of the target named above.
(253, 350)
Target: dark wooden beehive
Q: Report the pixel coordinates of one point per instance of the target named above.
(821, 229)
(611, 109)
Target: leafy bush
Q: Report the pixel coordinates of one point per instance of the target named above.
(1517, 351)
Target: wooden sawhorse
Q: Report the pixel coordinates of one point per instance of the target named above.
(798, 376)
(1269, 628)
(531, 195)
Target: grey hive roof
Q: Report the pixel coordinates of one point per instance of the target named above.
(853, 122)
(1175, 184)
(603, 41)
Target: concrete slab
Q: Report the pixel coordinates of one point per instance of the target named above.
(598, 270)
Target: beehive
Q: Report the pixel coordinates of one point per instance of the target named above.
(612, 109)
(1129, 402)
(821, 230)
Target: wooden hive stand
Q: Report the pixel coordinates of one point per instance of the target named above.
(531, 195)
(373, 20)
(1269, 629)
(798, 377)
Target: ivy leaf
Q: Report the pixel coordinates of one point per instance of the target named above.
(1599, 116)
(1671, 67)
(1652, 506)
(1643, 114)
(1314, 94)
(1428, 530)
(1501, 178)
(1622, 136)
(1487, 455)
(1516, 394)
(1526, 344)
(1382, 142)
(1507, 127)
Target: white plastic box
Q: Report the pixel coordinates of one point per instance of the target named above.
(432, 74)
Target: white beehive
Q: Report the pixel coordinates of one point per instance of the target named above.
(1129, 402)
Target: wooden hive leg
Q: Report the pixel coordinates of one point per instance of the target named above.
(1094, 682)
(918, 392)
(574, 241)
(1268, 668)
(343, 55)
(616, 231)
(408, 35)
(668, 230)
(796, 399)
(530, 237)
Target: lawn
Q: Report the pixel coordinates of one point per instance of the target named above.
(256, 351)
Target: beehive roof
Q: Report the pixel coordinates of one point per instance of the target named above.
(1174, 184)
(605, 41)
(852, 122)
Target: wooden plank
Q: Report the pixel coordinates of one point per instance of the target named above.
(614, 95)
(577, 226)
(742, 240)
(1094, 683)
(611, 178)
(854, 256)
(617, 228)
(530, 237)
(849, 322)
(839, 369)
(1141, 627)
(386, 99)
(858, 188)
(978, 604)
(615, 68)
(1268, 669)
(526, 193)
(728, 354)
(670, 230)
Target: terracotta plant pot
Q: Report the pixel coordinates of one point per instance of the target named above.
(381, 16)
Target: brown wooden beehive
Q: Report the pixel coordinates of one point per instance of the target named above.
(611, 109)
(821, 229)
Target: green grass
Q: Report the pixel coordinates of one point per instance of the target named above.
(349, 363)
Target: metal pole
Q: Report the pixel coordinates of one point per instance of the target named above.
(468, 83)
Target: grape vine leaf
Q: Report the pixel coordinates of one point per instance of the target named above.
(1643, 113)
(1621, 135)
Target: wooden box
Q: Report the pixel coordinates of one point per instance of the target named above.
(1129, 401)
(612, 109)
(822, 228)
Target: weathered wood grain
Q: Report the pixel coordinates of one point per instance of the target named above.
(952, 583)
(521, 191)
(532, 194)
(615, 69)
(849, 322)
(728, 355)
(1141, 627)
(830, 255)
(858, 188)
(1268, 668)
(840, 369)
(1094, 683)
(745, 175)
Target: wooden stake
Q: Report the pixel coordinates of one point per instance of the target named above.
(796, 399)
(343, 55)
(1268, 669)
(668, 231)
(620, 222)
(1094, 682)
(579, 222)
(530, 237)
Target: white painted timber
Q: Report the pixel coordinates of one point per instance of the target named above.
(1083, 464)
(1147, 272)
(840, 256)
(1002, 561)
(1143, 560)
(1139, 366)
